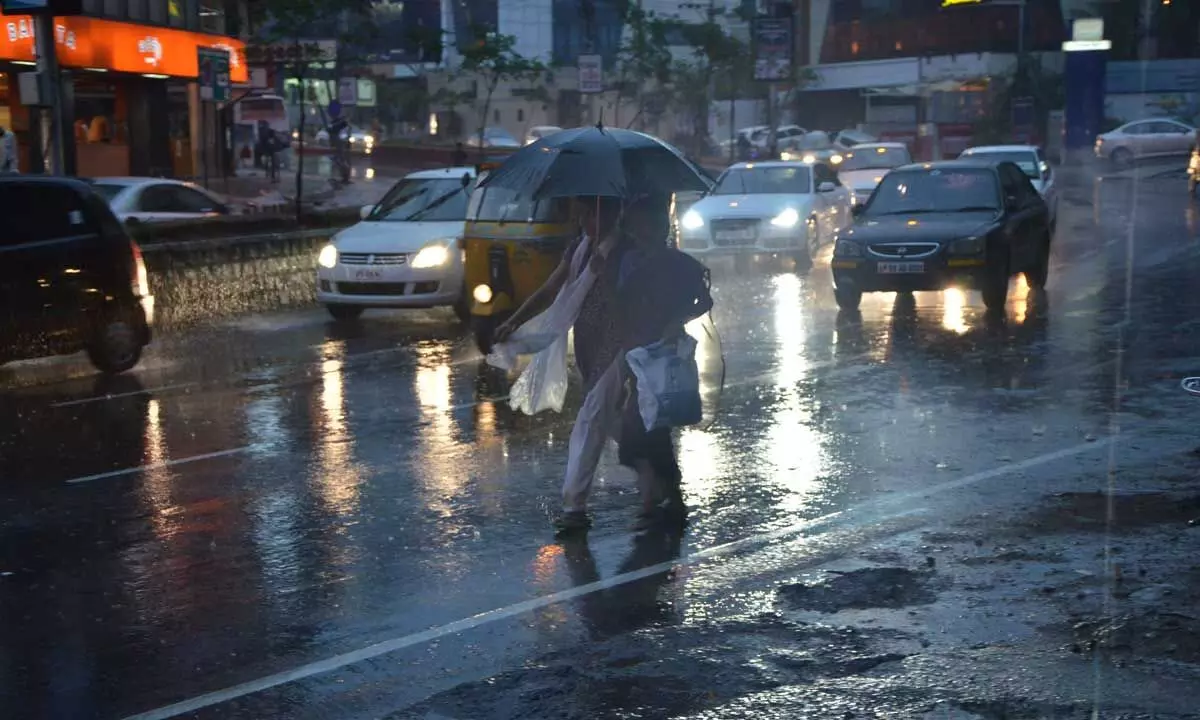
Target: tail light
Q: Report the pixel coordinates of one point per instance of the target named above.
(141, 283)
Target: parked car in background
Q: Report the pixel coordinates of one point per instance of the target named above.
(147, 200)
(1155, 137)
(768, 207)
(863, 166)
(846, 139)
(1031, 161)
(71, 279)
(540, 131)
(493, 137)
(405, 253)
(971, 224)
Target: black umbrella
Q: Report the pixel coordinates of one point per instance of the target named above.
(608, 162)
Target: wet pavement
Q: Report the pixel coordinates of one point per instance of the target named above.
(278, 516)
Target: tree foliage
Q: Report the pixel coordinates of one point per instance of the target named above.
(491, 59)
(644, 60)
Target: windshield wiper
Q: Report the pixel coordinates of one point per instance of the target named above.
(380, 212)
(439, 201)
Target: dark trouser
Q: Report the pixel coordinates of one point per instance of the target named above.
(654, 446)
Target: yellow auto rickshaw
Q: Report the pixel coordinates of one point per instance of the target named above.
(511, 245)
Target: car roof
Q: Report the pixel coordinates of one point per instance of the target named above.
(767, 164)
(455, 172)
(132, 181)
(961, 164)
(983, 149)
(876, 144)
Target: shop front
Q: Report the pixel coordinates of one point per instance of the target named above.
(129, 94)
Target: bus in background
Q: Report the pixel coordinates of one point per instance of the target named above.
(247, 113)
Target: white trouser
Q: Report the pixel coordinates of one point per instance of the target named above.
(598, 418)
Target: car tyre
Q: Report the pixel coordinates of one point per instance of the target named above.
(995, 289)
(1041, 273)
(116, 346)
(462, 307)
(848, 298)
(345, 313)
(1121, 157)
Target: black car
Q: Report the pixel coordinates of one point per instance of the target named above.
(971, 224)
(70, 277)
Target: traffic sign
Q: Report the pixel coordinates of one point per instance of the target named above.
(213, 77)
(773, 49)
(591, 74)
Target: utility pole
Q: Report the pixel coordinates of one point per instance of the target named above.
(48, 80)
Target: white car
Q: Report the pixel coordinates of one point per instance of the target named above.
(540, 131)
(1031, 161)
(1153, 137)
(768, 207)
(143, 199)
(862, 167)
(407, 251)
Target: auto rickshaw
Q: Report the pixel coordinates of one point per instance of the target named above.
(511, 246)
(1194, 166)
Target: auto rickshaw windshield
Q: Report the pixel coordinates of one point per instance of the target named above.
(497, 204)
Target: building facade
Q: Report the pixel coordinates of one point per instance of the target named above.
(129, 70)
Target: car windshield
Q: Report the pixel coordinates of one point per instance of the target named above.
(495, 204)
(935, 190)
(1023, 159)
(765, 181)
(108, 191)
(869, 158)
(438, 199)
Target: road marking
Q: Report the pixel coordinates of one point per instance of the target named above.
(338, 662)
(115, 396)
(159, 465)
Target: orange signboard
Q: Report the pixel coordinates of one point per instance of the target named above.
(84, 42)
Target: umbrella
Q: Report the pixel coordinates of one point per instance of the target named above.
(607, 162)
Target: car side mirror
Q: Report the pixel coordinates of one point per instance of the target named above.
(826, 186)
(856, 210)
(366, 211)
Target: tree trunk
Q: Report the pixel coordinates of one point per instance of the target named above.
(300, 66)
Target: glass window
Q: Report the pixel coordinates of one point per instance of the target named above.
(1027, 160)
(867, 157)
(765, 180)
(114, 8)
(440, 199)
(937, 190)
(40, 212)
(493, 204)
(168, 198)
(108, 191)
(138, 9)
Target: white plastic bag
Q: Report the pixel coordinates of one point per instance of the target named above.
(668, 382)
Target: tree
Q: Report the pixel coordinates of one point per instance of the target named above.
(492, 58)
(643, 59)
(715, 54)
(284, 38)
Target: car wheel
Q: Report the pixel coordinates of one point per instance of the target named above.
(1121, 157)
(117, 345)
(345, 312)
(847, 298)
(462, 308)
(1038, 276)
(995, 289)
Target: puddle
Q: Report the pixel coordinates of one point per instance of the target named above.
(1155, 634)
(861, 589)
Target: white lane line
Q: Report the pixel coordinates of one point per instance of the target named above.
(338, 662)
(159, 465)
(115, 396)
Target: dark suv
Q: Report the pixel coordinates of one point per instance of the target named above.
(70, 277)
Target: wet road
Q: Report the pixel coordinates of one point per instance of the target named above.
(282, 517)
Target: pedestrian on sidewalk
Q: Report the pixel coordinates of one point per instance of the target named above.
(268, 148)
(9, 162)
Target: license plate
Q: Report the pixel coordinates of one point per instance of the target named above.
(367, 274)
(735, 235)
(901, 268)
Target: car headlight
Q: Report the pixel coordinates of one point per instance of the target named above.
(847, 249)
(328, 257)
(431, 256)
(968, 246)
(810, 159)
(835, 159)
(786, 156)
(691, 220)
(786, 219)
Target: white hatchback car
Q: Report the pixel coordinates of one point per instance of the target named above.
(407, 251)
(1031, 161)
(768, 207)
(148, 199)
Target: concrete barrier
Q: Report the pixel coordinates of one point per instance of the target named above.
(201, 280)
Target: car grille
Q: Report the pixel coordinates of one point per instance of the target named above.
(373, 258)
(388, 288)
(748, 228)
(904, 250)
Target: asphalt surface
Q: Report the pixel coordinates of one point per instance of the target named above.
(279, 516)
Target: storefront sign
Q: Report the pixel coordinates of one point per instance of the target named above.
(348, 91)
(214, 74)
(121, 47)
(772, 49)
(591, 74)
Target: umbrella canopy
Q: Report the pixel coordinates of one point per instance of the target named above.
(608, 162)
